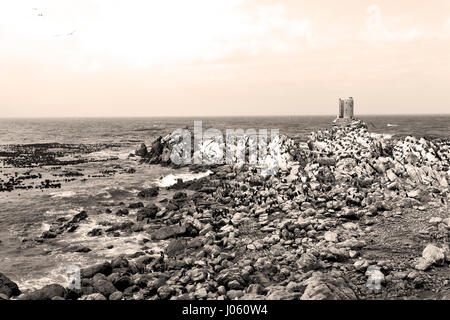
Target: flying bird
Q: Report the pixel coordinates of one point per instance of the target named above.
(65, 34)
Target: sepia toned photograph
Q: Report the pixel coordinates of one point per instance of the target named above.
(233, 151)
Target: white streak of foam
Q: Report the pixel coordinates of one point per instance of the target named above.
(171, 179)
(63, 194)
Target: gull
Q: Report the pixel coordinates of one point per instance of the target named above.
(65, 34)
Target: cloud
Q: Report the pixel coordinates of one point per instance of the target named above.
(377, 31)
(144, 33)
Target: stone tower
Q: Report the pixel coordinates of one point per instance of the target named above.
(346, 109)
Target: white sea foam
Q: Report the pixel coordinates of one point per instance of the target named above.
(171, 179)
(383, 135)
(63, 194)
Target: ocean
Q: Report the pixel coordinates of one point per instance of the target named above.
(87, 165)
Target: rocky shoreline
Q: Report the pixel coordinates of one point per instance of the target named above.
(341, 204)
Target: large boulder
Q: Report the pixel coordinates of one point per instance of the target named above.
(431, 255)
(46, 293)
(79, 217)
(142, 150)
(104, 287)
(104, 268)
(149, 212)
(327, 287)
(149, 192)
(8, 287)
(123, 283)
(169, 232)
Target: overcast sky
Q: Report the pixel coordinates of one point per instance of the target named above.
(227, 57)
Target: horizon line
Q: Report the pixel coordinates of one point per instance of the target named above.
(222, 116)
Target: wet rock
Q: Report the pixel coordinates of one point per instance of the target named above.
(168, 232)
(123, 283)
(119, 262)
(122, 212)
(79, 217)
(48, 235)
(179, 195)
(176, 246)
(104, 287)
(95, 232)
(82, 249)
(8, 287)
(125, 226)
(46, 293)
(149, 212)
(136, 205)
(149, 192)
(103, 268)
(141, 151)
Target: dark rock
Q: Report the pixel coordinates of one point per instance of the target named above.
(104, 268)
(142, 150)
(157, 148)
(46, 293)
(48, 235)
(119, 262)
(83, 249)
(121, 226)
(122, 212)
(73, 294)
(136, 205)
(130, 290)
(175, 247)
(95, 232)
(3, 297)
(104, 287)
(149, 192)
(149, 212)
(179, 195)
(79, 217)
(72, 228)
(8, 287)
(123, 282)
(165, 292)
(168, 232)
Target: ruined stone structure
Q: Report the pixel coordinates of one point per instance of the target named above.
(346, 111)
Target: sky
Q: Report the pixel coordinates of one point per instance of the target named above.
(111, 58)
